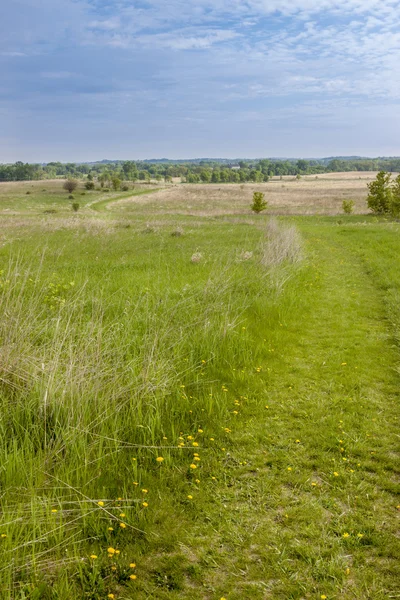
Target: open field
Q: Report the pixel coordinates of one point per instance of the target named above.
(322, 194)
(195, 401)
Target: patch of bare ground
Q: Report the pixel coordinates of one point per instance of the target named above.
(312, 194)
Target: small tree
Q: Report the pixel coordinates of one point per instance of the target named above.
(89, 185)
(116, 183)
(259, 204)
(70, 185)
(380, 194)
(75, 206)
(395, 203)
(348, 206)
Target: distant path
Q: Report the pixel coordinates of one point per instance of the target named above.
(101, 205)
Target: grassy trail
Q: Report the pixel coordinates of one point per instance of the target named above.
(305, 504)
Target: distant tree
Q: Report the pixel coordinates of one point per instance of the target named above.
(380, 194)
(70, 185)
(89, 185)
(90, 177)
(395, 200)
(116, 183)
(259, 204)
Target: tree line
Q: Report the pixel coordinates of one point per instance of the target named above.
(203, 171)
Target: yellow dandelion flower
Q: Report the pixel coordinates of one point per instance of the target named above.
(190, 497)
(193, 466)
(199, 431)
(111, 596)
(100, 503)
(132, 565)
(346, 535)
(93, 556)
(134, 459)
(197, 458)
(235, 412)
(195, 444)
(54, 510)
(144, 491)
(297, 441)
(110, 529)
(360, 535)
(336, 474)
(313, 484)
(159, 459)
(165, 438)
(195, 453)
(213, 478)
(347, 571)
(289, 468)
(197, 480)
(122, 515)
(113, 568)
(323, 597)
(145, 504)
(190, 437)
(122, 525)
(117, 551)
(3, 535)
(211, 439)
(111, 550)
(135, 483)
(133, 577)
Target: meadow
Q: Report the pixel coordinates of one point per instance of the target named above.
(196, 401)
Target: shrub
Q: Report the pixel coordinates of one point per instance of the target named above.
(178, 232)
(348, 206)
(70, 185)
(28, 192)
(259, 204)
(89, 185)
(71, 197)
(125, 188)
(75, 206)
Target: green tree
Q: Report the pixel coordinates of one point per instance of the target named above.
(259, 204)
(380, 194)
(116, 183)
(395, 200)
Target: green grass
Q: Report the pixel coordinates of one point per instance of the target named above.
(116, 349)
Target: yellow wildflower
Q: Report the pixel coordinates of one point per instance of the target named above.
(145, 504)
(193, 466)
(346, 535)
(133, 577)
(93, 556)
(122, 525)
(132, 565)
(100, 503)
(190, 497)
(145, 491)
(159, 459)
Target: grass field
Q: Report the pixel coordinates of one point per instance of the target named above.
(195, 401)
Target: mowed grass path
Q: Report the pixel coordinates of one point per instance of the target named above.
(304, 505)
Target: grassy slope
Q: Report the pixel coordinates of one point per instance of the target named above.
(260, 529)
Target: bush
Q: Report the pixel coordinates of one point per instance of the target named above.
(75, 206)
(348, 206)
(89, 185)
(71, 197)
(70, 185)
(28, 192)
(125, 188)
(259, 204)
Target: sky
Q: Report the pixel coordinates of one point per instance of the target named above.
(85, 80)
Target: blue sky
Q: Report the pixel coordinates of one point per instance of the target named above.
(93, 79)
